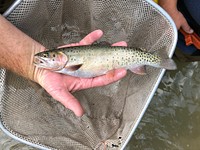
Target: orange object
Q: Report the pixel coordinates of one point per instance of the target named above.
(191, 39)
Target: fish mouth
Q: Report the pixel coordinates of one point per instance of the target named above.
(40, 62)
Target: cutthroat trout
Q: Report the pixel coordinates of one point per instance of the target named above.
(92, 61)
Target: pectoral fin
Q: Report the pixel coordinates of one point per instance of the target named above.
(73, 67)
(141, 70)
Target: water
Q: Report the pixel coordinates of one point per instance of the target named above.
(6, 143)
(171, 121)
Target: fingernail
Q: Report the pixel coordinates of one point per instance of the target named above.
(100, 32)
(191, 31)
(79, 113)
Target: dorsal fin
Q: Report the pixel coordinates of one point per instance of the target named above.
(143, 49)
(102, 43)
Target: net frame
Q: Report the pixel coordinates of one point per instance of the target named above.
(2, 126)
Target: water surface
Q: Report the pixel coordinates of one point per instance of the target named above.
(172, 119)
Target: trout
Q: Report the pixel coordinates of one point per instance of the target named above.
(92, 61)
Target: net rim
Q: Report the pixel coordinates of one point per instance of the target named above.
(20, 139)
(11, 8)
(159, 9)
(165, 14)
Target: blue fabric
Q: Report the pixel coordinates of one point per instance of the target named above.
(193, 6)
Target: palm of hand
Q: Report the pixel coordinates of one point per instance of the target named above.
(59, 86)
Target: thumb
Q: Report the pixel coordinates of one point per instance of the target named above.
(69, 101)
(185, 26)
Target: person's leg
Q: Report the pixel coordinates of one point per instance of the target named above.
(191, 13)
(188, 8)
(193, 6)
(4, 5)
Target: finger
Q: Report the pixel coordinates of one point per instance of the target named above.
(87, 40)
(185, 26)
(121, 43)
(69, 101)
(103, 80)
(69, 45)
(91, 38)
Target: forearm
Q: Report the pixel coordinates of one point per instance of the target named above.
(168, 5)
(17, 49)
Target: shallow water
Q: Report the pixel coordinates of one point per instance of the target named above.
(6, 143)
(172, 119)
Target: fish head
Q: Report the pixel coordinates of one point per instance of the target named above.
(51, 60)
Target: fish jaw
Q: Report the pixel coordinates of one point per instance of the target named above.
(42, 63)
(53, 64)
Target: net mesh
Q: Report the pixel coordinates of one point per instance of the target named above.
(112, 111)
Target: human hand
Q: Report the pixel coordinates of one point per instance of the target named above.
(60, 86)
(178, 18)
(180, 21)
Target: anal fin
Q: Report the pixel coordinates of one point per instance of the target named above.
(140, 70)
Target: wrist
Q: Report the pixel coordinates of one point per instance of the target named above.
(33, 71)
(17, 50)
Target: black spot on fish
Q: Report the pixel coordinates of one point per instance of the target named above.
(114, 145)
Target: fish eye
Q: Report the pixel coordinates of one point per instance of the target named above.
(45, 55)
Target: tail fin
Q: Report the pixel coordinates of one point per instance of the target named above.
(168, 64)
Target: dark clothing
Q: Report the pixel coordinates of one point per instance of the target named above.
(191, 11)
(193, 6)
(4, 5)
